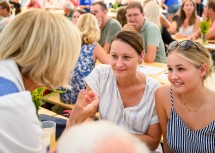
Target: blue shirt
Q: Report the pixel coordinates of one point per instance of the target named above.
(86, 3)
(171, 2)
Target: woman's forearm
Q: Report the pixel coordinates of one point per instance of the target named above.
(166, 148)
(151, 142)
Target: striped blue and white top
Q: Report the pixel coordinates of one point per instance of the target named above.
(134, 119)
(181, 139)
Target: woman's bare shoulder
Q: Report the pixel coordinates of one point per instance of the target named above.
(162, 101)
(211, 95)
(163, 89)
(163, 94)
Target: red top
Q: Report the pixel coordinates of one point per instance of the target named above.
(75, 2)
(34, 4)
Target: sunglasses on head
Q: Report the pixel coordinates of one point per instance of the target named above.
(185, 44)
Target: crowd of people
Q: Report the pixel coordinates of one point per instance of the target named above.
(42, 48)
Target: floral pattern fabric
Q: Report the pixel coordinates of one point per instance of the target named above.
(83, 68)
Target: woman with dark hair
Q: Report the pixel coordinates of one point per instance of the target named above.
(126, 95)
(77, 14)
(16, 5)
(121, 15)
(189, 21)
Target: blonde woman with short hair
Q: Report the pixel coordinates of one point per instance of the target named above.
(89, 28)
(90, 52)
(37, 48)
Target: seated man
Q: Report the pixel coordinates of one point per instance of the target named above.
(109, 27)
(155, 51)
(5, 13)
(68, 8)
(209, 13)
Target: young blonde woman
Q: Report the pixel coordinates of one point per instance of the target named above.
(189, 21)
(90, 52)
(186, 107)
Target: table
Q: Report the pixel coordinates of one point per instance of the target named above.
(46, 111)
(55, 99)
(60, 116)
(155, 70)
(210, 45)
(156, 64)
(111, 14)
(50, 113)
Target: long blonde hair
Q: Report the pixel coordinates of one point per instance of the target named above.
(44, 45)
(152, 12)
(89, 28)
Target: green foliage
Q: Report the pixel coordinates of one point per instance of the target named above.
(205, 26)
(39, 98)
(115, 6)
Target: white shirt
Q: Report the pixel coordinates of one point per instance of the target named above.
(188, 31)
(135, 119)
(5, 21)
(20, 129)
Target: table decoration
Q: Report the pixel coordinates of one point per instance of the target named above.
(204, 26)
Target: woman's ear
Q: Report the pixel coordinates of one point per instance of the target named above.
(141, 57)
(203, 70)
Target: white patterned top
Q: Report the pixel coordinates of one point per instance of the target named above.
(135, 119)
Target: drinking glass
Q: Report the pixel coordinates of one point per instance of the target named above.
(50, 126)
(45, 139)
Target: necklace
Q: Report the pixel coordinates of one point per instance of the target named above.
(196, 109)
(190, 110)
